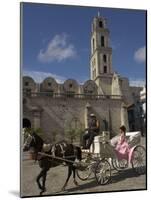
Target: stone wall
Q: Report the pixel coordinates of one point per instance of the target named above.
(126, 92)
(105, 83)
(58, 114)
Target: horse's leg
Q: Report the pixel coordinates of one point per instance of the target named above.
(69, 174)
(38, 179)
(74, 176)
(44, 181)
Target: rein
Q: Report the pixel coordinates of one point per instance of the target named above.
(56, 157)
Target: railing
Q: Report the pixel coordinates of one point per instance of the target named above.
(72, 95)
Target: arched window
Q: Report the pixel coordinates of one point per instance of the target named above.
(100, 24)
(94, 62)
(94, 73)
(70, 85)
(105, 69)
(49, 84)
(104, 58)
(26, 83)
(93, 45)
(102, 41)
(26, 123)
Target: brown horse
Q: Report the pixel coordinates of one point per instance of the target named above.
(61, 149)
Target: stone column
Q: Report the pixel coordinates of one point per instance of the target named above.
(124, 117)
(86, 114)
(110, 119)
(36, 118)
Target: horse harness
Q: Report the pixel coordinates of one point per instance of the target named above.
(51, 149)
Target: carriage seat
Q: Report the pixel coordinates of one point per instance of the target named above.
(98, 140)
(133, 138)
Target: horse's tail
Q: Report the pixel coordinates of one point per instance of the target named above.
(78, 153)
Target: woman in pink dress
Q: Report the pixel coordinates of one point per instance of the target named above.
(122, 148)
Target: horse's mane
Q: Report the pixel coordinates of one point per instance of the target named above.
(38, 137)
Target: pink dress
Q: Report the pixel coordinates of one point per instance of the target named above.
(122, 149)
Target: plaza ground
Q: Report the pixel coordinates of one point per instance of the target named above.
(125, 180)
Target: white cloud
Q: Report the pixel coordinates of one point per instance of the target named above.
(58, 49)
(40, 76)
(140, 54)
(137, 82)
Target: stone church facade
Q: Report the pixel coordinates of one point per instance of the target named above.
(56, 107)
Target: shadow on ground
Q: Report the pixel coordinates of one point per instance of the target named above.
(120, 176)
(116, 177)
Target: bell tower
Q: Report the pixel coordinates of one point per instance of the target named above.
(101, 52)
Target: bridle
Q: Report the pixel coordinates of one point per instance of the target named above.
(28, 141)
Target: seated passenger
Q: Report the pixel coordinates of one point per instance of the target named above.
(122, 147)
(133, 138)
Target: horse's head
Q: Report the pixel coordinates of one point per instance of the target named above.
(30, 142)
(33, 141)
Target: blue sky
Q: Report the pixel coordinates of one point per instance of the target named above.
(56, 41)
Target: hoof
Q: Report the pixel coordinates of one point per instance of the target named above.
(76, 183)
(63, 189)
(42, 191)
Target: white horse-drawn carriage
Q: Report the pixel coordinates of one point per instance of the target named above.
(102, 158)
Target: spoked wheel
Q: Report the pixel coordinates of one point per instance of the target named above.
(119, 165)
(103, 172)
(87, 171)
(139, 160)
(84, 174)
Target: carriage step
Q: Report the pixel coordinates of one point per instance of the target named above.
(85, 150)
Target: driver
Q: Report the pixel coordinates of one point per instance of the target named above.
(91, 132)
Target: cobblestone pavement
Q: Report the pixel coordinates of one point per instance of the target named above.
(125, 180)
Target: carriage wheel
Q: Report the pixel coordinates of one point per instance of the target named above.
(139, 160)
(103, 172)
(84, 174)
(119, 165)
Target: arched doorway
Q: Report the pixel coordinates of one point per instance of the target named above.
(26, 123)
